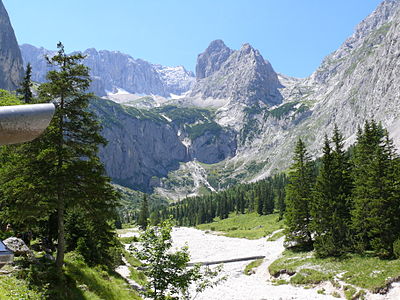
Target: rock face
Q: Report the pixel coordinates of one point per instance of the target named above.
(176, 80)
(11, 67)
(242, 76)
(36, 57)
(359, 81)
(144, 146)
(112, 71)
(211, 59)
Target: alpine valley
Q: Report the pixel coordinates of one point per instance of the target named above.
(176, 133)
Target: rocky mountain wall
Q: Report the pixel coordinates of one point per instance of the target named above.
(11, 65)
(112, 71)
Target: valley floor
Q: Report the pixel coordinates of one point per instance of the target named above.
(205, 246)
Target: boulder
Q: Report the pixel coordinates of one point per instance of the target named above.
(17, 246)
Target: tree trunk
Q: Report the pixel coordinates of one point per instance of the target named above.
(61, 235)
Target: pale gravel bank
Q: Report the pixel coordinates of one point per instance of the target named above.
(209, 247)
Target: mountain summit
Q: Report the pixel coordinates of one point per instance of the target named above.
(242, 76)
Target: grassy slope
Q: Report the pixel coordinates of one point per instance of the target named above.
(82, 283)
(249, 269)
(362, 271)
(250, 226)
(13, 288)
(97, 283)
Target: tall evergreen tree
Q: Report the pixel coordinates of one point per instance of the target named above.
(144, 214)
(376, 212)
(26, 85)
(298, 198)
(61, 171)
(330, 209)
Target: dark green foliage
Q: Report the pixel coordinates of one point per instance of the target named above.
(330, 209)
(60, 172)
(25, 91)
(283, 110)
(144, 214)
(185, 115)
(298, 199)
(263, 196)
(93, 238)
(396, 248)
(6, 98)
(197, 130)
(355, 201)
(376, 210)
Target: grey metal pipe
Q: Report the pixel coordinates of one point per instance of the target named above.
(23, 123)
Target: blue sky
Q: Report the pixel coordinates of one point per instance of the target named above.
(293, 35)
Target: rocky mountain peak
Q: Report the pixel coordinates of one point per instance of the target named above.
(380, 16)
(112, 71)
(212, 58)
(367, 35)
(11, 65)
(248, 49)
(90, 51)
(243, 77)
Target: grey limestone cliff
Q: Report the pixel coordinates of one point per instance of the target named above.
(112, 71)
(145, 145)
(241, 76)
(359, 81)
(11, 65)
(212, 58)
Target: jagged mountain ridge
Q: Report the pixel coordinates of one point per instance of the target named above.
(358, 81)
(112, 71)
(242, 75)
(11, 65)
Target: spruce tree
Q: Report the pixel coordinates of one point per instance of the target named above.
(61, 170)
(330, 209)
(298, 198)
(144, 214)
(26, 85)
(375, 217)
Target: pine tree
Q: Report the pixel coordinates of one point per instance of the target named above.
(26, 85)
(144, 214)
(375, 217)
(330, 209)
(280, 183)
(61, 171)
(298, 198)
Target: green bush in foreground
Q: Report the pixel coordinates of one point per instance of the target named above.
(168, 274)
